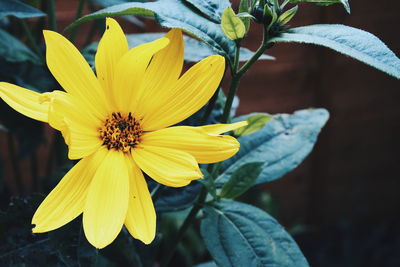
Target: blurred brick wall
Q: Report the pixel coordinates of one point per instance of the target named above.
(353, 172)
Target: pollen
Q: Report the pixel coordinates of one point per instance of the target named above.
(121, 132)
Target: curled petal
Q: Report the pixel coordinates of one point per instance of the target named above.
(26, 102)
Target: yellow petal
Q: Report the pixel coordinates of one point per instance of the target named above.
(217, 129)
(129, 73)
(107, 201)
(188, 95)
(24, 101)
(165, 67)
(66, 201)
(111, 47)
(141, 216)
(167, 166)
(196, 141)
(79, 127)
(82, 141)
(73, 73)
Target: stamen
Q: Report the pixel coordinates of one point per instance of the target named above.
(120, 132)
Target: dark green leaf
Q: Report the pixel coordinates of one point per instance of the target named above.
(345, 3)
(172, 14)
(13, 50)
(18, 9)
(211, 8)
(238, 234)
(355, 43)
(282, 144)
(241, 180)
(255, 122)
(174, 199)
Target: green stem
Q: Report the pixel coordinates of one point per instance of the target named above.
(51, 10)
(31, 40)
(79, 11)
(185, 225)
(237, 75)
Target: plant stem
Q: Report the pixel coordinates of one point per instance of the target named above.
(237, 74)
(79, 11)
(51, 10)
(233, 87)
(31, 40)
(185, 225)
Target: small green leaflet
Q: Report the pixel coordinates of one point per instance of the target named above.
(255, 122)
(232, 26)
(241, 180)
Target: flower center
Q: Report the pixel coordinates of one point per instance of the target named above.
(120, 132)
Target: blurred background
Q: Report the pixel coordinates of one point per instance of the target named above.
(342, 203)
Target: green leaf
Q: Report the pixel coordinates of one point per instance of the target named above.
(241, 180)
(255, 122)
(281, 145)
(174, 199)
(194, 49)
(13, 50)
(172, 14)
(237, 234)
(345, 3)
(211, 8)
(18, 9)
(355, 43)
(232, 26)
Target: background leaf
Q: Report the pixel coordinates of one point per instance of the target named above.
(355, 43)
(282, 144)
(174, 199)
(13, 50)
(18, 9)
(241, 180)
(237, 234)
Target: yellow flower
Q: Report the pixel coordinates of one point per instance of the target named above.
(118, 125)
